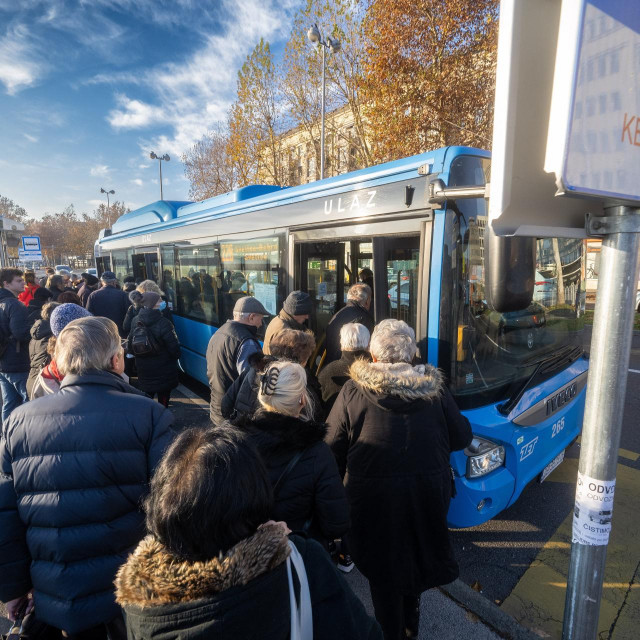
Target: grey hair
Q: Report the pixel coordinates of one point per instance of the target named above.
(290, 385)
(354, 337)
(359, 293)
(241, 316)
(149, 285)
(86, 344)
(393, 341)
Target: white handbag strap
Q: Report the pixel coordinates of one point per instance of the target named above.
(301, 615)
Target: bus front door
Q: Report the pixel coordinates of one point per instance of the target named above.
(145, 266)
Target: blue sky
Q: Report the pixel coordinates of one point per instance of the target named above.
(89, 87)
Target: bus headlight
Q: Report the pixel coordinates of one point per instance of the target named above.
(483, 457)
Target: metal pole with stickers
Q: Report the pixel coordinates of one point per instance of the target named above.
(566, 163)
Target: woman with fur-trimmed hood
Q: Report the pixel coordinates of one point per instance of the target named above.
(214, 566)
(392, 429)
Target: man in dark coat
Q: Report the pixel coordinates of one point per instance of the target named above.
(296, 309)
(41, 296)
(109, 301)
(229, 350)
(354, 342)
(14, 342)
(75, 467)
(392, 429)
(356, 310)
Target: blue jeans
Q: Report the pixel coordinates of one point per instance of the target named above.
(13, 385)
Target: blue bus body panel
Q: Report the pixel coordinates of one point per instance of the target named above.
(194, 337)
(148, 216)
(528, 450)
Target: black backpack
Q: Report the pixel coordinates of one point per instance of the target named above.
(142, 343)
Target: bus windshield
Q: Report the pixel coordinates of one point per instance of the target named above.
(486, 353)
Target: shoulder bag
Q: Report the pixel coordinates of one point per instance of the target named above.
(301, 614)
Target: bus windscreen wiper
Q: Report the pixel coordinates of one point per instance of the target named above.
(547, 363)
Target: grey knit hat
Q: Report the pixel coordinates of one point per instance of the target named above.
(298, 303)
(64, 314)
(150, 299)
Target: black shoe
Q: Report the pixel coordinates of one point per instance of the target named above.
(345, 563)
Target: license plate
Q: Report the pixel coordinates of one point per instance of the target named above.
(551, 466)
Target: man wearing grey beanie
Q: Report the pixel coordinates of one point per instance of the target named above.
(296, 309)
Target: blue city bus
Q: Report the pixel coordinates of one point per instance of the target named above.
(518, 375)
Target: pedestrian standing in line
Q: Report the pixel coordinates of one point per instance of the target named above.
(392, 430)
(39, 356)
(41, 296)
(128, 284)
(357, 309)
(154, 343)
(74, 469)
(66, 278)
(308, 491)
(296, 310)
(14, 342)
(214, 566)
(75, 282)
(30, 288)
(69, 297)
(109, 301)
(149, 285)
(90, 285)
(49, 378)
(49, 271)
(55, 284)
(230, 348)
(354, 343)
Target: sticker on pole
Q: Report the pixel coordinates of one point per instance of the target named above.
(593, 510)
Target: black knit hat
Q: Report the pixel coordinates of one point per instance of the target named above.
(42, 294)
(298, 303)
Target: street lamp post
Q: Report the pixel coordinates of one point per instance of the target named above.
(334, 46)
(112, 192)
(166, 158)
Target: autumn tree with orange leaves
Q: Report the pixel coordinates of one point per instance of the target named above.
(429, 74)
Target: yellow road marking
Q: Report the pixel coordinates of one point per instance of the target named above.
(537, 601)
(623, 453)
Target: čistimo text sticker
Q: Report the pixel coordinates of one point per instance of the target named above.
(593, 510)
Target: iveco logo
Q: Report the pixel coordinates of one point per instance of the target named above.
(560, 399)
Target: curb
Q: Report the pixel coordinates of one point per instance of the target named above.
(500, 621)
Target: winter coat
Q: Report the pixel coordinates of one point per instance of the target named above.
(74, 469)
(222, 355)
(133, 311)
(282, 321)
(157, 372)
(38, 356)
(56, 292)
(27, 295)
(34, 311)
(392, 429)
(111, 303)
(85, 291)
(14, 328)
(311, 497)
(351, 313)
(241, 399)
(242, 596)
(335, 374)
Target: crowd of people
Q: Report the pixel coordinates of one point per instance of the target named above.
(114, 524)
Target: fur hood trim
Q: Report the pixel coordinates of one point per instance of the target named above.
(422, 382)
(152, 576)
(275, 433)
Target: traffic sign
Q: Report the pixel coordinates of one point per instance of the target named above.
(31, 243)
(523, 197)
(594, 132)
(29, 256)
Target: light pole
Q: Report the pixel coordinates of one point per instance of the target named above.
(166, 158)
(315, 37)
(112, 192)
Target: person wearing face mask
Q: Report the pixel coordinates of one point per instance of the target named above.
(154, 344)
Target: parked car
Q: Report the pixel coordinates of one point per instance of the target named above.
(93, 271)
(59, 267)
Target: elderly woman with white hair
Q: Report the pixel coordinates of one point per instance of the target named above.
(392, 429)
(354, 343)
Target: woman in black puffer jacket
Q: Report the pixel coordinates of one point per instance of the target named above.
(308, 491)
(38, 353)
(158, 368)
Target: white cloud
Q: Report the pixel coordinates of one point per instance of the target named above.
(18, 67)
(143, 166)
(100, 171)
(30, 138)
(192, 96)
(137, 181)
(95, 203)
